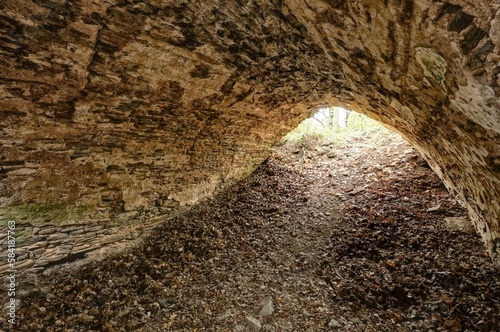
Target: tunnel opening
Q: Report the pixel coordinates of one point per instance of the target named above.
(333, 130)
(338, 126)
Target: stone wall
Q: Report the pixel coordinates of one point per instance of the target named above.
(41, 247)
(133, 106)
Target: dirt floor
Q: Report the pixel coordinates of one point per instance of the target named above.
(361, 237)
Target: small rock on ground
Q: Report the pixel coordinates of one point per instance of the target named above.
(253, 324)
(266, 307)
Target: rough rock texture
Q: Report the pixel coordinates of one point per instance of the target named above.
(133, 105)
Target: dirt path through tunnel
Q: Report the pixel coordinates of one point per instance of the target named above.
(358, 238)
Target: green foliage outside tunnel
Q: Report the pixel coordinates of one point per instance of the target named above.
(336, 126)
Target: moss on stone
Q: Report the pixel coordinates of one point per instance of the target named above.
(41, 214)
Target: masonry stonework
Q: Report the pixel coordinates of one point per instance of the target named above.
(138, 106)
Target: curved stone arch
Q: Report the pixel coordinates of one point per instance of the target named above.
(135, 106)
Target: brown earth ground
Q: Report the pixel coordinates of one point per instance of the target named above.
(356, 237)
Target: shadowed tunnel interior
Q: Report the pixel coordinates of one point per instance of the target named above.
(122, 111)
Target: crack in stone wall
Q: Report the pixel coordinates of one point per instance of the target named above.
(130, 106)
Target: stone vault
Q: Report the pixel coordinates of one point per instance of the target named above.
(146, 106)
